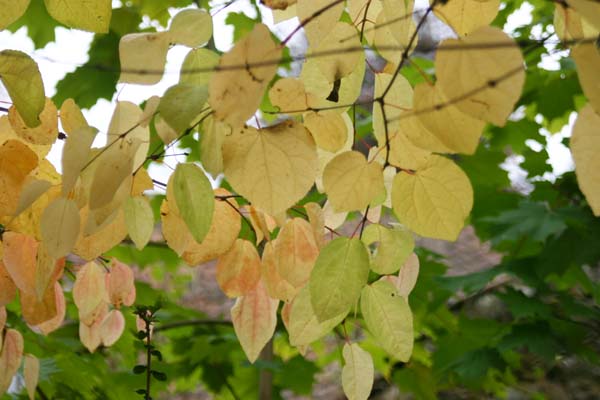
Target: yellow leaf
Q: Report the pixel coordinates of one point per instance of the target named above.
(303, 326)
(20, 260)
(238, 270)
(358, 372)
(143, 57)
(388, 318)
(197, 67)
(588, 9)
(71, 117)
(181, 104)
(44, 134)
(457, 131)
(11, 11)
(31, 373)
(254, 318)
(435, 200)
(192, 28)
(289, 96)
(89, 292)
(90, 334)
(466, 16)
(404, 153)
(585, 145)
(37, 311)
(8, 290)
(329, 130)
(75, 155)
(484, 83)
(351, 182)
(394, 28)
(337, 52)
(112, 327)
(323, 15)
(32, 190)
(394, 247)
(278, 4)
(399, 98)
(7, 133)
(273, 167)
(224, 229)
(407, 276)
(60, 227)
(236, 94)
(91, 246)
(10, 358)
(587, 59)
(120, 285)
(363, 14)
(316, 217)
(16, 162)
(89, 15)
(339, 274)
(23, 82)
(139, 220)
(277, 287)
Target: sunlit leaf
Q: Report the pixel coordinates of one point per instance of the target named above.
(358, 372)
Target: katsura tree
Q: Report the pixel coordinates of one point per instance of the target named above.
(325, 181)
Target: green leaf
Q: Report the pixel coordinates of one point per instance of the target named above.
(40, 25)
(139, 220)
(23, 81)
(194, 198)
(139, 369)
(388, 318)
(340, 272)
(91, 16)
(394, 247)
(181, 104)
(159, 376)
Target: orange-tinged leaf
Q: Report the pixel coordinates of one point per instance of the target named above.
(112, 327)
(45, 133)
(53, 324)
(2, 321)
(60, 227)
(276, 286)
(8, 290)
(90, 335)
(16, 162)
(31, 373)
(20, 260)
(10, 357)
(316, 217)
(37, 311)
(91, 246)
(224, 229)
(174, 229)
(273, 167)
(120, 284)
(254, 318)
(89, 291)
(236, 94)
(238, 270)
(296, 252)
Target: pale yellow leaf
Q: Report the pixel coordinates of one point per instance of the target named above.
(212, 136)
(31, 373)
(404, 153)
(139, 220)
(90, 334)
(330, 130)
(289, 96)
(254, 318)
(71, 117)
(32, 190)
(238, 270)
(75, 155)
(235, 94)
(588, 9)
(457, 131)
(394, 29)
(143, 57)
(53, 324)
(466, 16)
(273, 168)
(60, 227)
(89, 15)
(89, 291)
(358, 372)
(363, 14)
(45, 133)
(323, 15)
(388, 319)
(587, 59)
(485, 83)
(120, 284)
(435, 200)
(192, 28)
(125, 127)
(398, 99)
(337, 52)
(23, 82)
(174, 229)
(112, 328)
(316, 217)
(351, 182)
(585, 146)
(91, 246)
